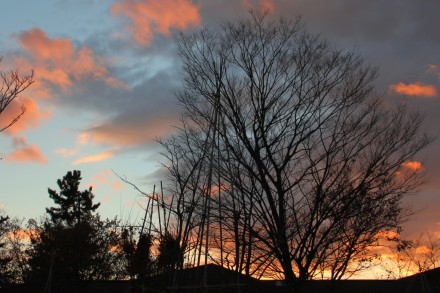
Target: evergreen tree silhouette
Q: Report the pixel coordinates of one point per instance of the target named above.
(73, 204)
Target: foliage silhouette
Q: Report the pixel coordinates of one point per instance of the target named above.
(73, 243)
(138, 254)
(73, 204)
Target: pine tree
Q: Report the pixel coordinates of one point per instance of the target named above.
(74, 241)
(73, 204)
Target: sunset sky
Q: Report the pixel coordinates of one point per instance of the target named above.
(106, 72)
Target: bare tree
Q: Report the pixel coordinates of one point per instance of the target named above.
(310, 159)
(12, 85)
(409, 256)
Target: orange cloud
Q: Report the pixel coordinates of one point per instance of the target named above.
(36, 42)
(413, 165)
(150, 16)
(414, 89)
(27, 153)
(423, 250)
(57, 62)
(30, 119)
(94, 158)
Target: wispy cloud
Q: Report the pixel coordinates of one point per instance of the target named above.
(94, 158)
(65, 152)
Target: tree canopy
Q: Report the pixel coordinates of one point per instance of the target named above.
(287, 149)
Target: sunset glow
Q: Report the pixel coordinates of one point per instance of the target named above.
(107, 74)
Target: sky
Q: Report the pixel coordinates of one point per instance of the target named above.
(106, 72)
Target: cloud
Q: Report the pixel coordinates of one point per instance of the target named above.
(105, 178)
(123, 133)
(156, 16)
(413, 166)
(432, 68)
(25, 153)
(414, 89)
(262, 5)
(31, 118)
(148, 111)
(58, 63)
(65, 152)
(410, 167)
(94, 158)
(36, 42)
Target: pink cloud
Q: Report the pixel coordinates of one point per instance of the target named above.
(94, 158)
(30, 119)
(117, 185)
(37, 43)
(58, 63)
(105, 178)
(417, 89)
(26, 153)
(156, 16)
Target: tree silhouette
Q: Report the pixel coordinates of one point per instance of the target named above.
(312, 163)
(73, 241)
(13, 259)
(73, 204)
(170, 255)
(138, 254)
